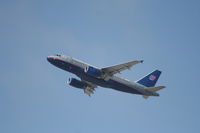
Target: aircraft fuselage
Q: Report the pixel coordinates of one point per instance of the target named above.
(77, 67)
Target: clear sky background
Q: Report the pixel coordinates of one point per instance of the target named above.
(34, 95)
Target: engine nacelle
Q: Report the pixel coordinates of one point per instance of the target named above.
(77, 83)
(93, 71)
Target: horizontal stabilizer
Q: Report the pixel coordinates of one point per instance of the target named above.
(154, 89)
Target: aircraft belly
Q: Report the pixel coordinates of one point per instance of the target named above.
(109, 84)
(122, 87)
(94, 80)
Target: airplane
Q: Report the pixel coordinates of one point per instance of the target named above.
(91, 77)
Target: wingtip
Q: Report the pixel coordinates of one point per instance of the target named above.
(162, 87)
(141, 61)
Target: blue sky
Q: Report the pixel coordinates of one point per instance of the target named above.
(34, 96)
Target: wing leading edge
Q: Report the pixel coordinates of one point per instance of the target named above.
(121, 67)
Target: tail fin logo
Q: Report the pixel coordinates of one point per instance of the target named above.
(152, 77)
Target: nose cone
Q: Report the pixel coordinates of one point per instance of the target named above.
(49, 58)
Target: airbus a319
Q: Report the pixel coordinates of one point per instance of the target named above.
(91, 76)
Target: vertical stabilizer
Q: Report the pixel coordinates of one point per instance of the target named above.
(151, 79)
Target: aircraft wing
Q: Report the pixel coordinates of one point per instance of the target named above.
(118, 68)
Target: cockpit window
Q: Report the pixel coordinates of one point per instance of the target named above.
(58, 55)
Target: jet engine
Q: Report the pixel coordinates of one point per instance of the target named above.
(77, 83)
(81, 85)
(93, 71)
